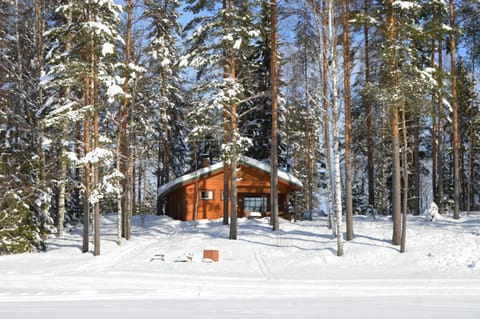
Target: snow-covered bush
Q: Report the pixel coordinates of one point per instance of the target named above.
(431, 213)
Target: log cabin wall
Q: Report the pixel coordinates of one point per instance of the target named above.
(252, 183)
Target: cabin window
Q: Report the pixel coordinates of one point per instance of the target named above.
(255, 203)
(206, 195)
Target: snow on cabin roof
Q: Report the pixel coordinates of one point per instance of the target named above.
(282, 175)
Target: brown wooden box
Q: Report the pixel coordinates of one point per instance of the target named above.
(210, 254)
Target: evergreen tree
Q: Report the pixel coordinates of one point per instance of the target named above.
(164, 87)
(26, 194)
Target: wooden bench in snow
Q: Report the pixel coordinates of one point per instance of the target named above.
(160, 257)
(184, 258)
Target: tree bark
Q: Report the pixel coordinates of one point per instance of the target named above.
(226, 139)
(455, 121)
(86, 137)
(274, 143)
(123, 133)
(348, 120)
(326, 122)
(336, 137)
(309, 154)
(394, 121)
(368, 109)
(86, 194)
(416, 164)
(96, 145)
(234, 132)
(440, 134)
(405, 178)
(471, 172)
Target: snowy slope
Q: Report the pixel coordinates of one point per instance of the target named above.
(263, 274)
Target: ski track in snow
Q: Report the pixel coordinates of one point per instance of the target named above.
(263, 267)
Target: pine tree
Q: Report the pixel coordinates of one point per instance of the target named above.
(216, 52)
(26, 194)
(167, 99)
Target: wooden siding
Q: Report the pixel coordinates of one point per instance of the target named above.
(252, 182)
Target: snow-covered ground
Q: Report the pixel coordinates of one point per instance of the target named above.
(293, 272)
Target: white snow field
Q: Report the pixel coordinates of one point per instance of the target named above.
(291, 273)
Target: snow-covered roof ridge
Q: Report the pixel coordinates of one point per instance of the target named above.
(163, 189)
(285, 176)
(288, 177)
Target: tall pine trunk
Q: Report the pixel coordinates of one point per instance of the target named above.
(86, 142)
(348, 120)
(123, 135)
(226, 140)
(96, 145)
(368, 110)
(434, 133)
(416, 164)
(86, 191)
(63, 151)
(274, 143)
(440, 133)
(308, 156)
(405, 177)
(234, 132)
(394, 122)
(455, 120)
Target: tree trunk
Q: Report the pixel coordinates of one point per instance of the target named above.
(86, 137)
(416, 164)
(96, 145)
(455, 121)
(63, 157)
(394, 121)
(86, 194)
(274, 143)
(405, 178)
(440, 134)
(471, 158)
(233, 197)
(348, 120)
(471, 172)
(326, 125)
(139, 184)
(123, 134)
(119, 195)
(226, 140)
(434, 135)
(234, 134)
(368, 109)
(336, 137)
(309, 154)
(195, 203)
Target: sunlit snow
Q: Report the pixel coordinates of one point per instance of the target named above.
(290, 273)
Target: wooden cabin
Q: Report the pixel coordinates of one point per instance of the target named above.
(253, 191)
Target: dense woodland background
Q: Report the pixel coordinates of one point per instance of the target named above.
(373, 104)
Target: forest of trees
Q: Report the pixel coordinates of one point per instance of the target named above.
(373, 104)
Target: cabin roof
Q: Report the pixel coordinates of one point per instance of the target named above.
(248, 161)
